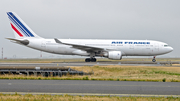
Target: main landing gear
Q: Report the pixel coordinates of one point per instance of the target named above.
(90, 59)
(154, 60)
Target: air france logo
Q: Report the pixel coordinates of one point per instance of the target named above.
(119, 42)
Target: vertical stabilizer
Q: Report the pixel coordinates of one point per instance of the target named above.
(19, 27)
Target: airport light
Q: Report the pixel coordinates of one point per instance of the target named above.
(2, 53)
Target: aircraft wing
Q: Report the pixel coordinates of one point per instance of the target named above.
(82, 47)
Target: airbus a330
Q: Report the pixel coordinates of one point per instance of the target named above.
(112, 49)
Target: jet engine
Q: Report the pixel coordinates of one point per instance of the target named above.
(115, 55)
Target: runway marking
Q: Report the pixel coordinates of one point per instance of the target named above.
(92, 85)
(91, 94)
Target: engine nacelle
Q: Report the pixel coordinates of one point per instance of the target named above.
(115, 55)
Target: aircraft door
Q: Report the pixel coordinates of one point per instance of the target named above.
(43, 45)
(147, 50)
(156, 46)
(131, 46)
(131, 49)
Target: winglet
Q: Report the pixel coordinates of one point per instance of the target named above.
(57, 41)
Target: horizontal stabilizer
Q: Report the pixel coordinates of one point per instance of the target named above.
(21, 41)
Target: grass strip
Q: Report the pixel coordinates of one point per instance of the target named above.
(17, 77)
(114, 73)
(31, 97)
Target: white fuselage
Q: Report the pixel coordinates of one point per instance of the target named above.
(127, 47)
(112, 49)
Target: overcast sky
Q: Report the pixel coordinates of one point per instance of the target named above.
(93, 19)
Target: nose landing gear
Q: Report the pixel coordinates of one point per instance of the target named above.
(154, 59)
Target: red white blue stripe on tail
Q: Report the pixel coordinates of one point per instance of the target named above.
(19, 27)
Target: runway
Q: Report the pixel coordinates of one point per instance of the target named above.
(66, 64)
(91, 87)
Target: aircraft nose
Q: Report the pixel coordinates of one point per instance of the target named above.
(171, 49)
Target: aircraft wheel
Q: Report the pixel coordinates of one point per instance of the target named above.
(93, 60)
(87, 60)
(153, 60)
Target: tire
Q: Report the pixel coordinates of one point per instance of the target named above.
(153, 60)
(90, 60)
(87, 60)
(93, 60)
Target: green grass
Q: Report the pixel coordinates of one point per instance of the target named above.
(30, 97)
(115, 73)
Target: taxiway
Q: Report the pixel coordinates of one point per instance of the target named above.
(90, 87)
(66, 64)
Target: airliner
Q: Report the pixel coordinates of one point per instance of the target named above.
(111, 49)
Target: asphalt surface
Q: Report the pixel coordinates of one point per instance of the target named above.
(63, 64)
(95, 87)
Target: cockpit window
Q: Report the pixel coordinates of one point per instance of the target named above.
(166, 45)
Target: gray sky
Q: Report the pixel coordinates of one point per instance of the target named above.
(93, 19)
